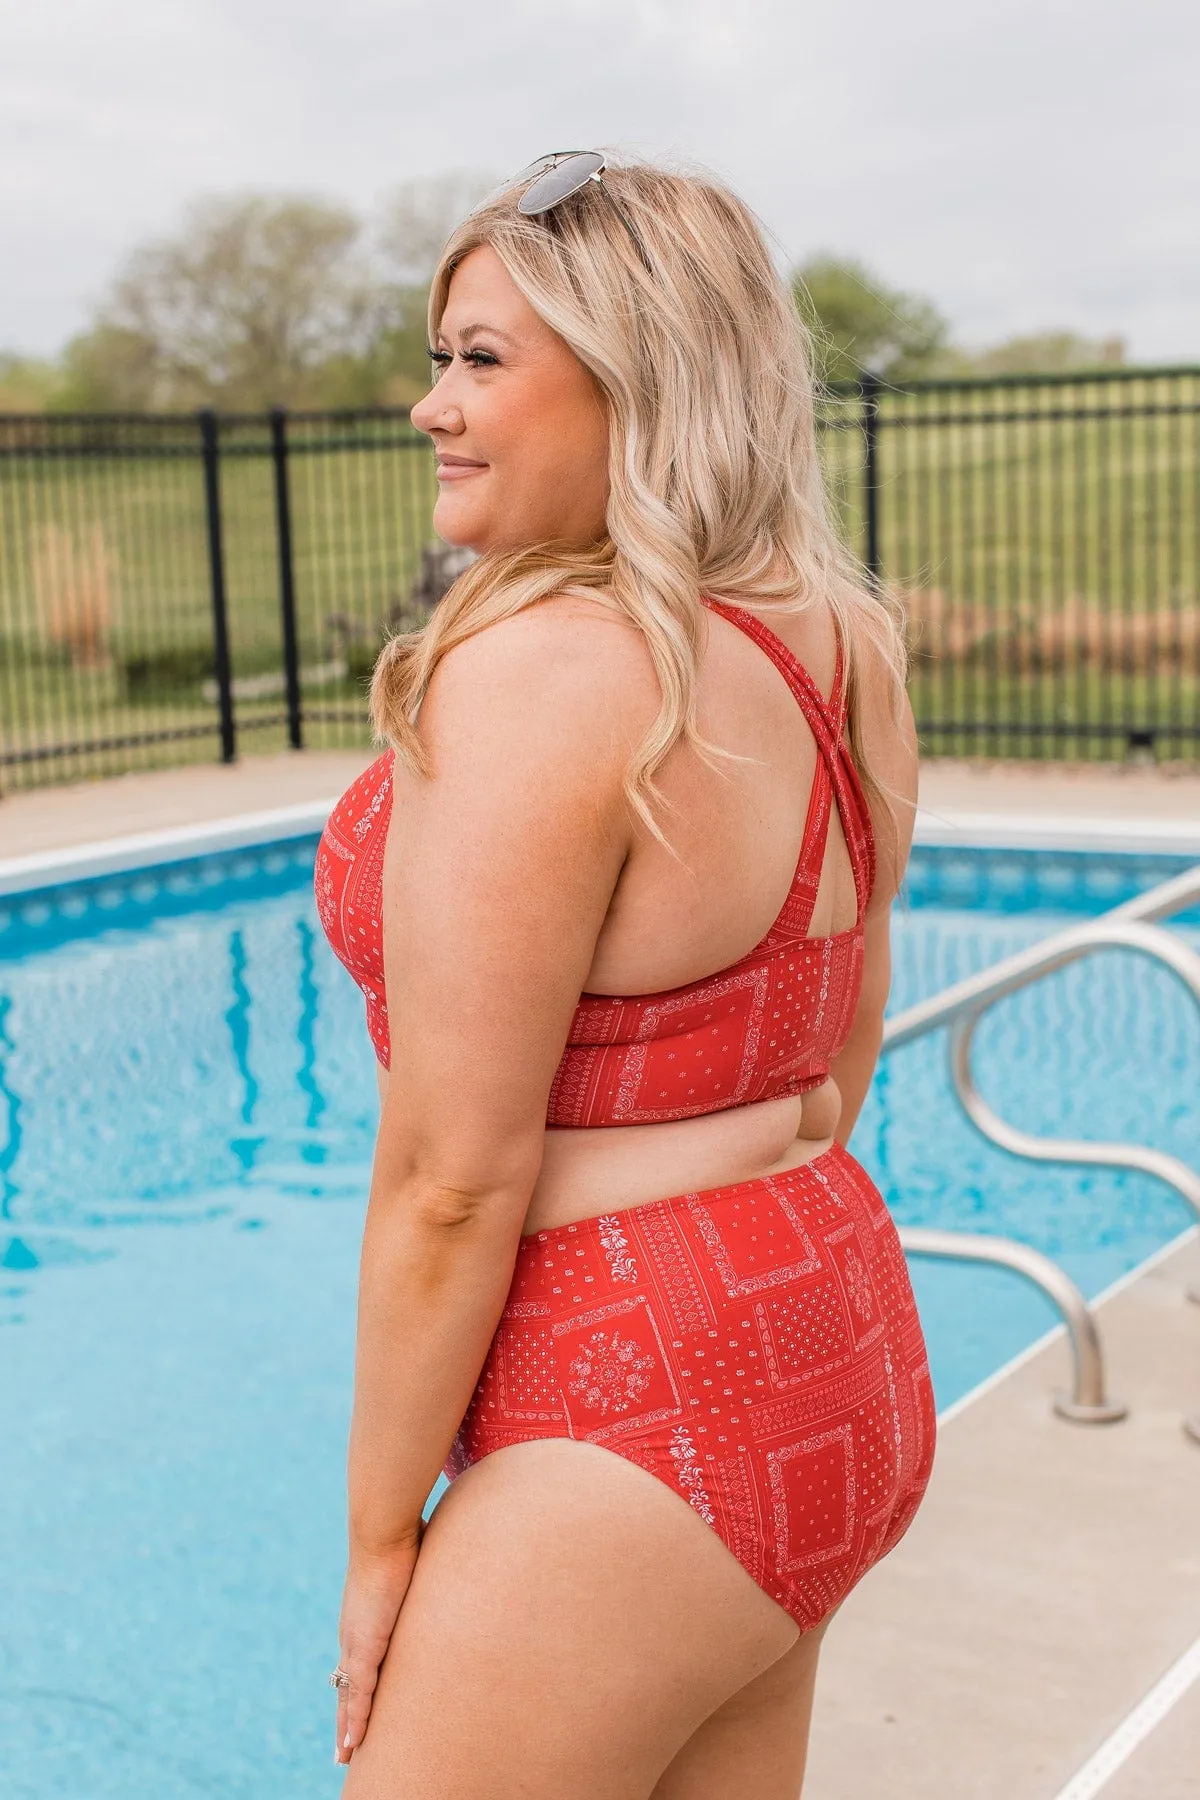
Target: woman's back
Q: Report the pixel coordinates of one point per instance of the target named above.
(736, 829)
(673, 921)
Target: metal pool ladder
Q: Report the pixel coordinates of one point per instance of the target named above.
(960, 1008)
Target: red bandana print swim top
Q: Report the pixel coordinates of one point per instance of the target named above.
(767, 1026)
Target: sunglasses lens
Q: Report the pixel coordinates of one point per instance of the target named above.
(539, 166)
(566, 178)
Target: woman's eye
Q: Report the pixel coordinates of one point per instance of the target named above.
(478, 359)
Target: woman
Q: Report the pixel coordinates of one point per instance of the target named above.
(618, 897)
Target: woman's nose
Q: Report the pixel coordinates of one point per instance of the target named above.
(436, 413)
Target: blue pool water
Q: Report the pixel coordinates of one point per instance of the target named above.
(187, 1110)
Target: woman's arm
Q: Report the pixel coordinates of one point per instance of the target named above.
(498, 874)
(854, 1065)
(891, 748)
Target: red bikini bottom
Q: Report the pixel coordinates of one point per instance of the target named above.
(757, 1347)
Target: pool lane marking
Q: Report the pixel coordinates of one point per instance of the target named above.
(1134, 1728)
(1051, 1336)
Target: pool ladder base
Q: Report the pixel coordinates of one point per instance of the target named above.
(1094, 1412)
(1089, 1402)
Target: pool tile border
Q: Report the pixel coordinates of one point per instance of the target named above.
(169, 844)
(947, 831)
(970, 861)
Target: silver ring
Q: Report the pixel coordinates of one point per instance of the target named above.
(339, 1678)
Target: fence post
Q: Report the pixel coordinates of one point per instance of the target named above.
(216, 570)
(287, 590)
(870, 385)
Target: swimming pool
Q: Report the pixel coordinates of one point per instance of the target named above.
(187, 1109)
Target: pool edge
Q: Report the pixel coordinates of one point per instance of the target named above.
(944, 830)
(167, 844)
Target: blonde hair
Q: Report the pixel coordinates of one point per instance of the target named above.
(714, 480)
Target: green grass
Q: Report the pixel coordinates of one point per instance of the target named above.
(1049, 557)
(360, 518)
(1038, 509)
(1051, 563)
(1077, 715)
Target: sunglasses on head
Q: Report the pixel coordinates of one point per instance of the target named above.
(555, 177)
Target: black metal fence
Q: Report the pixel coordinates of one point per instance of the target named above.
(177, 587)
(173, 586)
(1044, 534)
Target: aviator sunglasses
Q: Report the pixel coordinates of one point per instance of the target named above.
(555, 177)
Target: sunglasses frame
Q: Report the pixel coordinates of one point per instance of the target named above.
(548, 165)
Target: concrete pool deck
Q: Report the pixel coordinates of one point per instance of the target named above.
(1128, 807)
(1035, 1635)
(1050, 1580)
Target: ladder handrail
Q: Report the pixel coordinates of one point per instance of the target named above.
(1172, 1171)
(1126, 926)
(961, 1007)
(1089, 1402)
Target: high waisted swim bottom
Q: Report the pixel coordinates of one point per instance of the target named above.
(756, 1347)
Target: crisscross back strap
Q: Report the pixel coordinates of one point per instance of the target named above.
(836, 776)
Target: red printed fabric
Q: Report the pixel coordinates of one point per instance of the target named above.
(756, 1347)
(348, 885)
(767, 1026)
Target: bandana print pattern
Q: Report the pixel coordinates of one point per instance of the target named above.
(789, 1404)
(610, 1374)
(767, 1026)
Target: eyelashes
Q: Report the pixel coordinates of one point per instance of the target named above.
(478, 359)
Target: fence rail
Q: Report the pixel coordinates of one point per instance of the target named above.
(169, 584)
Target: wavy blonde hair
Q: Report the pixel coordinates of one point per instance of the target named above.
(714, 480)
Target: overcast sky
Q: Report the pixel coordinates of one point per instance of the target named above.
(1026, 163)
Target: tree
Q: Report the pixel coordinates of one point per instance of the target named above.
(1049, 353)
(858, 323)
(266, 300)
(27, 383)
(109, 369)
(415, 220)
(417, 217)
(242, 309)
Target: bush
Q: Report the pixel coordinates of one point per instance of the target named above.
(360, 662)
(164, 674)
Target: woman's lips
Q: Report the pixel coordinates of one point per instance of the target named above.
(450, 469)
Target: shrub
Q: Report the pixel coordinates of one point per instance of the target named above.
(164, 674)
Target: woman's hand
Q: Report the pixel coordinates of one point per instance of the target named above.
(371, 1600)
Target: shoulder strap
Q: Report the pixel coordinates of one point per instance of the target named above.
(826, 720)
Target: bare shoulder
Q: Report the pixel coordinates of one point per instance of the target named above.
(570, 671)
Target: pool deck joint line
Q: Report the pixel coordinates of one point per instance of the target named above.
(1153, 1708)
(1013, 1646)
(1136, 1726)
